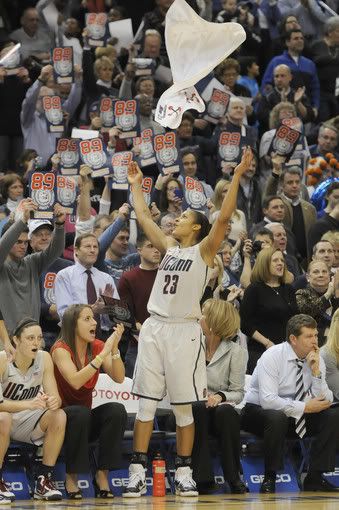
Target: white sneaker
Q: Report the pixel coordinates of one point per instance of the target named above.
(184, 483)
(46, 490)
(6, 496)
(136, 483)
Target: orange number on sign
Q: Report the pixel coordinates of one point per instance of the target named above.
(49, 280)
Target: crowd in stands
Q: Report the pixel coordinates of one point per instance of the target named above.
(279, 258)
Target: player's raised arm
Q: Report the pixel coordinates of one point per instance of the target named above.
(144, 217)
(210, 245)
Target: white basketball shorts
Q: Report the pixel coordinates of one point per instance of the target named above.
(171, 358)
(26, 427)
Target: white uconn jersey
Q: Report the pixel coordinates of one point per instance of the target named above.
(179, 285)
(18, 386)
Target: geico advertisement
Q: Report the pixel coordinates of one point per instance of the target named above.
(253, 468)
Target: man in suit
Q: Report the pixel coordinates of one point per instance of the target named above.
(289, 396)
(299, 214)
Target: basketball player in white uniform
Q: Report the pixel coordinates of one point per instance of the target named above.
(170, 349)
(31, 404)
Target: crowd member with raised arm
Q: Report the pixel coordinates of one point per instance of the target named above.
(33, 122)
(19, 272)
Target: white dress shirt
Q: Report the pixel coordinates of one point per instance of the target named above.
(71, 288)
(273, 384)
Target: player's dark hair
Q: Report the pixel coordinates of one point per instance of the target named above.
(205, 225)
(26, 322)
(68, 331)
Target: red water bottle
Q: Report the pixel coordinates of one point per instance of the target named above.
(159, 470)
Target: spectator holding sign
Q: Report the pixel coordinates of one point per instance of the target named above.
(98, 77)
(33, 121)
(234, 135)
(281, 113)
(19, 272)
(228, 73)
(190, 164)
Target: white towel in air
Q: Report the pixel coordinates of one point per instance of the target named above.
(194, 47)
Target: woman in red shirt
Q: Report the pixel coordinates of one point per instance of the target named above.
(78, 357)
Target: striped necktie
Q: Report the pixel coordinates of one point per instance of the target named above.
(300, 423)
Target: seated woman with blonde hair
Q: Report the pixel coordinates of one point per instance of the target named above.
(226, 364)
(330, 354)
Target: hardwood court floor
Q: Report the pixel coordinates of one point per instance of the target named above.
(282, 501)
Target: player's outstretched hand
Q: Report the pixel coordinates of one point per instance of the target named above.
(134, 173)
(245, 163)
